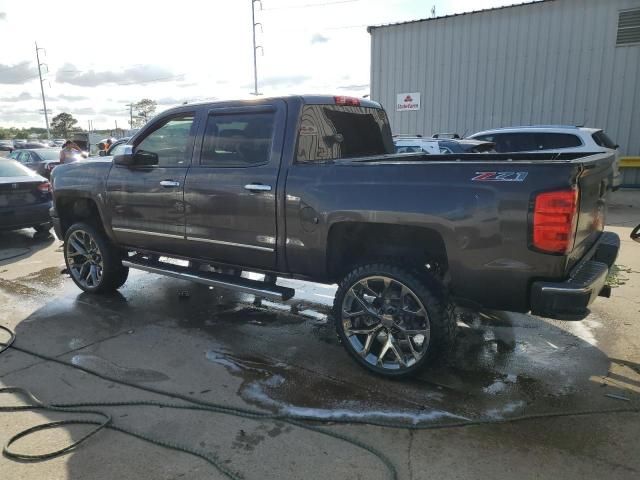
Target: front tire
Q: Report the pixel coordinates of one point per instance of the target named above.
(391, 320)
(92, 261)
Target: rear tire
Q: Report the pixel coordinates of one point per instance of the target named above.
(391, 320)
(43, 228)
(92, 261)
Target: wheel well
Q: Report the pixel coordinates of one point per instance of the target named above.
(72, 210)
(352, 243)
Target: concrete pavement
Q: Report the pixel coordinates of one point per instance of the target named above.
(219, 346)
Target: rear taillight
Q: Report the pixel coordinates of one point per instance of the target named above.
(341, 100)
(555, 215)
(44, 187)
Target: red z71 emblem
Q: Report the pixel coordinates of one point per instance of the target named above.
(500, 176)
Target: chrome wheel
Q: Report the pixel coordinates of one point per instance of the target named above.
(84, 259)
(385, 323)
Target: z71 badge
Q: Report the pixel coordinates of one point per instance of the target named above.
(500, 176)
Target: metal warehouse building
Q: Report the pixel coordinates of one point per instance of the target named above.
(570, 62)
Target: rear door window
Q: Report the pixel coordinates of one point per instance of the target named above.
(237, 140)
(331, 132)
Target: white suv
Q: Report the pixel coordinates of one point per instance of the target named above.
(553, 138)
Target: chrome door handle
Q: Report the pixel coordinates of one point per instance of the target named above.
(169, 183)
(257, 187)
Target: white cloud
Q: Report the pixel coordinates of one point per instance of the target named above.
(17, 74)
(18, 98)
(319, 38)
(137, 74)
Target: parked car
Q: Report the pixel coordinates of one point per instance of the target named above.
(553, 138)
(42, 160)
(25, 198)
(23, 145)
(6, 146)
(116, 148)
(309, 187)
(436, 146)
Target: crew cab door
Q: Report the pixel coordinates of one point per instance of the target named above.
(146, 201)
(230, 191)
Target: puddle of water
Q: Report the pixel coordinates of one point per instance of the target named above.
(76, 343)
(506, 409)
(280, 388)
(111, 369)
(48, 277)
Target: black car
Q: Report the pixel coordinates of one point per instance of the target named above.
(25, 198)
(23, 145)
(42, 160)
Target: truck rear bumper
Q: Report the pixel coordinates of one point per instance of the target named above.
(570, 299)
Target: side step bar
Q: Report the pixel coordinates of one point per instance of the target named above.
(239, 284)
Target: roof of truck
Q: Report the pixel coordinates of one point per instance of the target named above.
(312, 99)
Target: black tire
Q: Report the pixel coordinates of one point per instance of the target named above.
(113, 274)
(43, 228)
(424, 288)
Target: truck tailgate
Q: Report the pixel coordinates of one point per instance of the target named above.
(594, 182)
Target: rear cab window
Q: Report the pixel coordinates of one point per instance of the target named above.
(332, 132)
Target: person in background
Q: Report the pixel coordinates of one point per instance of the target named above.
(108, 145)
(70, 152)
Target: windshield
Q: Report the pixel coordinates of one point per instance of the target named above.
(11, 168)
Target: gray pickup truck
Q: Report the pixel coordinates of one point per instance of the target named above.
(308, 187)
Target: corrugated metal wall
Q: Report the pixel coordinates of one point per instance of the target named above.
(553, 62)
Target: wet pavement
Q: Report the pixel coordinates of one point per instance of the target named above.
(225, 347)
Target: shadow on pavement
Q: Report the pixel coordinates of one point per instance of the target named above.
(20, 244)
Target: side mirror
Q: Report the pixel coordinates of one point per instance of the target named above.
(126, 158)
(145, 159)
(101, 153)
(635, 235)
(141, 158)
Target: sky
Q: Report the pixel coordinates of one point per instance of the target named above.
(101, 56)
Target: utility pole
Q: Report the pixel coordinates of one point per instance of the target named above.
(130, 105)
(44, 102)
(255, 47)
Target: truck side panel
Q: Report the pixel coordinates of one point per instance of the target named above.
(483, 223)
